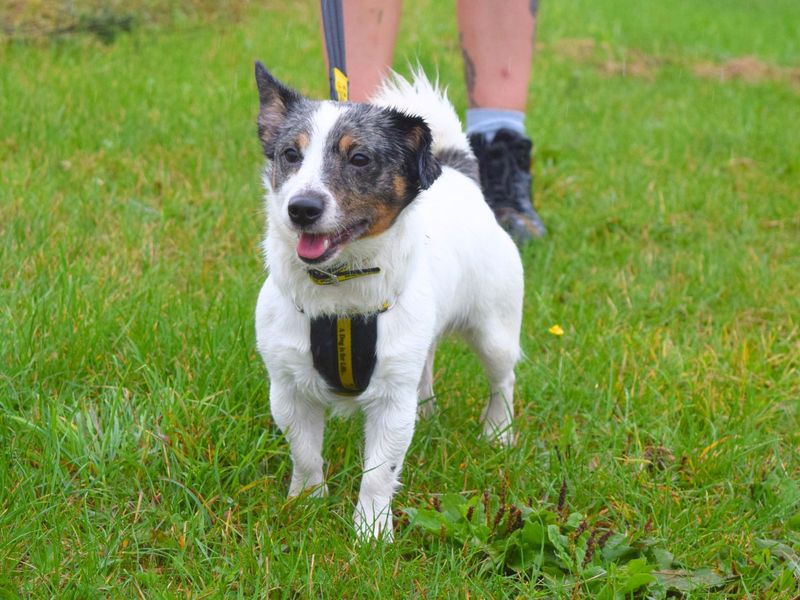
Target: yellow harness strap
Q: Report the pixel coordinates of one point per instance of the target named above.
(343, 349)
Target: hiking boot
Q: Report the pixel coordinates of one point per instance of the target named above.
(505, 170)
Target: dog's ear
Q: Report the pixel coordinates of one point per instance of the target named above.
(421, 164)
(276, 101)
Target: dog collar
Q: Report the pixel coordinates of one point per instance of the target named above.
(339, 274)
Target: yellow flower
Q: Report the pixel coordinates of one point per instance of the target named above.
(556, 330)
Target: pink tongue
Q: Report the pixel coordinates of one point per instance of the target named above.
(311, 246)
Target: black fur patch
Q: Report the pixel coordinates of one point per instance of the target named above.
(396, 143)
(462, 161)
(400, 163)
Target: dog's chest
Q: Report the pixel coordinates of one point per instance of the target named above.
(343, 350)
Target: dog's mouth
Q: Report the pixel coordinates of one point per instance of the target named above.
(315, 248)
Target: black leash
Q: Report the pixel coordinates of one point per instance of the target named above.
(333, 25)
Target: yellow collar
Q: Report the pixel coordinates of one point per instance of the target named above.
(339, 274)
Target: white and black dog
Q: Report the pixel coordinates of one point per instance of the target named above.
(378, 243)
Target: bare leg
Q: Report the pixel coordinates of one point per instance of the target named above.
(497, 45)
(370, 31)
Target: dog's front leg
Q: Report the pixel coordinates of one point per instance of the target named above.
(303, 424)
(388, 430)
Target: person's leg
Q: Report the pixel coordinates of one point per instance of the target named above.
(497, 45)
(370, 31)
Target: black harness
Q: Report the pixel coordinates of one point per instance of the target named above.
(343, 347)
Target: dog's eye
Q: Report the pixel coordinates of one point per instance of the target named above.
(359, 160)
(291, 155)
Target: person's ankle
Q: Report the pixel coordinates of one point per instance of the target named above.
(488, 121)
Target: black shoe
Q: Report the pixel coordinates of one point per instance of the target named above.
(505, 169)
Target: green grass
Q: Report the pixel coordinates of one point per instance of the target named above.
(137, 454)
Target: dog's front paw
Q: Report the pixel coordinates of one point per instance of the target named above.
(426, 407)
(500, 437)
(373, 521)
(318, 490)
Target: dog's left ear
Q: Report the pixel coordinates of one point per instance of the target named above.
(276, 100)
(416, 138)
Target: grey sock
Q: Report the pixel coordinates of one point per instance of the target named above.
(488, 121)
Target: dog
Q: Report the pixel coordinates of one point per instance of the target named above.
(379, 242)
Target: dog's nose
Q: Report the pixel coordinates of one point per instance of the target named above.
(304, 210)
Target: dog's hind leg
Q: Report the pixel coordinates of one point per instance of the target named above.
(303, 424)
(427, 401)
(496, 344)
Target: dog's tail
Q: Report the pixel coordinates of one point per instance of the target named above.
(428, 100)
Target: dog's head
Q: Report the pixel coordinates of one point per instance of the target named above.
(339, 172)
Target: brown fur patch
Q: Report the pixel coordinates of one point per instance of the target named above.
(302, 141)
(415, 136)
(345, 143)
(270, 117)
(385, 217)
(400, 187)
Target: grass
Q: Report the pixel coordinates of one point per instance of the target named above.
(137, 454)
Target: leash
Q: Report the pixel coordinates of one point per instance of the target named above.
(333, 26)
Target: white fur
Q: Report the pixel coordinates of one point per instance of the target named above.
(309, 175)
(446, 266)
(426, 99)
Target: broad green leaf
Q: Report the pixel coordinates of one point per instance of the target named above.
(593, 571)
(635, 581)
(683, 580)
(451, 507)
(533, 534)
(429, 520)
(663, 558)
(558, 540)
(638, 565)
(616, 548)
(574, 520)
(522, 556)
